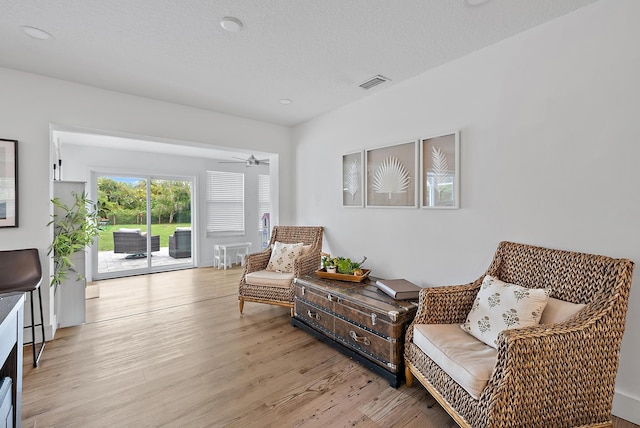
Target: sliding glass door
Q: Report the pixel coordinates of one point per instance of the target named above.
(170, 221)
(145, 225)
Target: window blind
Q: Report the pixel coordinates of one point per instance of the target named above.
(225, 201)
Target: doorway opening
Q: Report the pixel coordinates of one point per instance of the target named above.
(86, 154)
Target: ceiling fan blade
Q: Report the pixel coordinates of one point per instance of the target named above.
(250, 161)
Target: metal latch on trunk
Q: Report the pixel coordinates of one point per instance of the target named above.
(332, 298)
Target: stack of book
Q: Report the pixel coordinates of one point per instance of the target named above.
(399, 289)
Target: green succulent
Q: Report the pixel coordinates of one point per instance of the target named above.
(345, 266)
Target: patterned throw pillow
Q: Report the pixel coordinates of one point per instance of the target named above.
(283, 256)
(502, 306)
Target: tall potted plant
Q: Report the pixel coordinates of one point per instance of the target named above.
(74, 227)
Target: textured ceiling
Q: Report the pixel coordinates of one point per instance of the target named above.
(314, 52)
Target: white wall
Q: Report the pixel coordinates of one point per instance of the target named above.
(80, 161)
(32, 103)
(549, 125)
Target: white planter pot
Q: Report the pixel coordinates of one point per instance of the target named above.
(71, 296)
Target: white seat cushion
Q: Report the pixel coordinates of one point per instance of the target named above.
(269, 278)
(128, 230)
(463, 357)
(558, 311)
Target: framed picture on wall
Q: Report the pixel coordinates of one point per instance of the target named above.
(392, 176)
(440, 171)
(8, 183)
(352, 181)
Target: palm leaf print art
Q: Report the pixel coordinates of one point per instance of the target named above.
(352, 179)
(440, 169)
(391, 177)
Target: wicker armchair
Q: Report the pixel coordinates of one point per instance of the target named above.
(547, 375)
(308, 262)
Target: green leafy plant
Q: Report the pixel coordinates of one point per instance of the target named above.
(74, 227)
(344, 265)
(328, 262)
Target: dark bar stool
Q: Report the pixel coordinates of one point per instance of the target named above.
(20, 270)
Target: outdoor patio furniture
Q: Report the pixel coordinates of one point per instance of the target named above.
(134, 242)
(180, 243)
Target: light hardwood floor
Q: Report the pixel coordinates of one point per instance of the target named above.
(172, 350)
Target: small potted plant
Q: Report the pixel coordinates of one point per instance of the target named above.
(347, 267)
(74, 227)
(329, 264)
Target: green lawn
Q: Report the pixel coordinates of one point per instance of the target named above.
(105, 239)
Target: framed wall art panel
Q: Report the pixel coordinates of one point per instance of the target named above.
(392, 176)
(440, 171)
(352, 180)
(8, 183)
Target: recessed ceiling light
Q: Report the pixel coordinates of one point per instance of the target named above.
(36, 33)
(475, 3)
(285, 101)
(230, 23)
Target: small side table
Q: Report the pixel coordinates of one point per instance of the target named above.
(222, 252)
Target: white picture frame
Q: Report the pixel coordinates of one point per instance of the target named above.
(353, 180)
(8, 183)
(440, 171)
(392, 176)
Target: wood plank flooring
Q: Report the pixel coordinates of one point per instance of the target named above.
(172, 350)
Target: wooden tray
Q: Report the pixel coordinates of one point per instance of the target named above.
(343, 277)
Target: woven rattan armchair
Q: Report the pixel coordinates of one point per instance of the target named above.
(547, 375)
(308, 262)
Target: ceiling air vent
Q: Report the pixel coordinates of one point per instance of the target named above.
(374, 81)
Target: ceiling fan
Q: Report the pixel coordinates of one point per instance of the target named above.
(250, 161)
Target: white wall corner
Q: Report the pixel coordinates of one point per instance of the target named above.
(626, 407)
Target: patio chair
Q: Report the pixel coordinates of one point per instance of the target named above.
(134, 242)
(180, 243)
(276, 287)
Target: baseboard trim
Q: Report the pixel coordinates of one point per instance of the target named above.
(626, 407)
(49, 332)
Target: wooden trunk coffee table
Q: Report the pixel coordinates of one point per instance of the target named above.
(357, 319)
